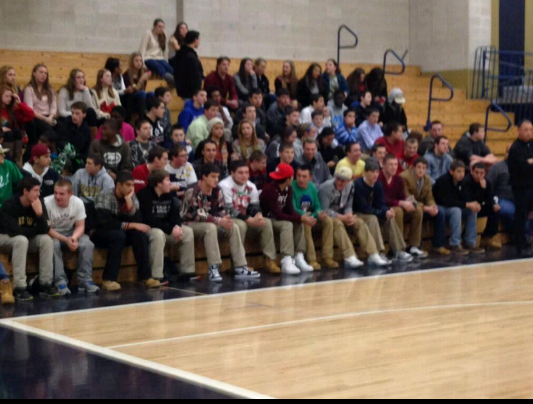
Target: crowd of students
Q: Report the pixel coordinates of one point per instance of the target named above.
(324, 155)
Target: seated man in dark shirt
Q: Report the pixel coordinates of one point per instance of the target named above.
(471, 148)
(286, 155)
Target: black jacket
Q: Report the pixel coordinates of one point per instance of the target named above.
(161, 213)
(520, 171)
(77, 136)
(474, 193)
(394, 114)
(188, 72)
(449, 195)
(20, 221)
(304, 92)
(49, 180)
(466, 148)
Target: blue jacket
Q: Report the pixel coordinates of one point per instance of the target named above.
(344, 137)
(189, 114)
(369, 201)
(343, 84)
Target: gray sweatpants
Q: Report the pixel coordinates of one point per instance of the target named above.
(20, 246)
(84, 267)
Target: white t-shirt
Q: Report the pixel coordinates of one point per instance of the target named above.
(184, 176)
(63, 220)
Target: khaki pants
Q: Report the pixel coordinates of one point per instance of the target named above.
(333, 232)
(159, 240)
(210, 232)
(364, 235)
(292, 238)
(396, 241)
(265, 235)
(415, 218)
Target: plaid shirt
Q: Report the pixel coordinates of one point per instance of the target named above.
(198, 207)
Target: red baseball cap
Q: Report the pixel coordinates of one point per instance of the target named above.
(283, 172)
(39, 150)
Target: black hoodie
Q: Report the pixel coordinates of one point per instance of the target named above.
(20, 221)
(448, 194)
(188, 72)
(159, 212)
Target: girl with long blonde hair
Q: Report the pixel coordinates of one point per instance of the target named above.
(247, 142)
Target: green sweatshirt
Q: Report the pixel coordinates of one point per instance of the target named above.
(306, 200)
(10, 176)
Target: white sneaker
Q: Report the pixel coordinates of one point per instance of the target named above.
(353, 263)
(245, 273)
(378, 260)
(402, 256)
(214, 274)
(385, 258)
(302, 264)
(418, 253)
(288, 267)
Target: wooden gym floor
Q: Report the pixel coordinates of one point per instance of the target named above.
(459, 332)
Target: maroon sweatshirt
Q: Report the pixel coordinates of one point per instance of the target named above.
(225, 86)
(397, 148)
(395, 191)
(277, 205)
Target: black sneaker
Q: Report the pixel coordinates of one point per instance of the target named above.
(49, 291)
(22, 295)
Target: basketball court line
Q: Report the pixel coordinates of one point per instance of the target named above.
(219, 387)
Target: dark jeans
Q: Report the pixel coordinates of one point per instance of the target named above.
(439, 222)
(116, 241)
(523, 199)
(493, 222)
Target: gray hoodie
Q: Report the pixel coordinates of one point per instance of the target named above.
(335, 202)
(88, 187)
(438, 166)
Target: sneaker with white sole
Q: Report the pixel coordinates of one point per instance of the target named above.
(417, 252)
(63, 290)
(302, 264)
(402, 256)
(384, 257)
(246, 273)
(288, 267)
(89, 288)
(214, 274)
(353, 263)
(378, 260)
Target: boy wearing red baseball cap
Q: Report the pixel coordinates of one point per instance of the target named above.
(276, 204)
(39, 168)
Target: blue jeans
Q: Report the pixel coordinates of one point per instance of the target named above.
(455, 218)
(508, 213)
(3, 272)
(439, 223)
(159, 67)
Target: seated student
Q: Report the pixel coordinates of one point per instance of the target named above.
(115, 152)
(347, 132)
(286, 156)
(242, 202)
(66, 214)
(76, 131)
(179, 39)
(334, 80)
(8, 78)
(142, 145)
(317, 104)
(156, 113)
(165, 95)
(330, 153)
(378, 153)
(245, 79)
(127, 132)
(311, 84)
(377, 85)
(24, 228)
(89, 182)
(256, 99)
(471, 148)
(247, 141)
(193, 109)
(307, 203)
(10, 177)
(439, 161)
(209, 151)
(119, 224)
(393, 139)
(198, 131)
(157, 161)
(305, 131)
(182, 174)
(450, 193)
(222, 80)
(39, 168)
(353, 161)
(418, 189)
(428, 143)
(277, 205)
(257, 163)
(362, 107)
(319, 121)
(369, 203)
(289, 135)
(405, 210)
(204, 211)
(215, 128)
(135, 80)
(263, 83)
(480, 190)
(409, 155)
(337, 109)
(357, 84)
(499, 177)
(250, 114)
(311, 157)
(114, 65)
(161, 212)
(336, 198)
(155, 49)
(370, 130)
(277, 113)
(105, 98)
(6, 289)
(288, 80)
(75, 91)
(394, 109)
(40, 96)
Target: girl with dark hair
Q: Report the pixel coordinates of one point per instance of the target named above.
(288, 80)
(311, 84)
(8, 78)
(135, 80)
(74, 91)
(245, 80)
(40, 96)
(377, 85)
(247, 142)
(289, 135)
(334, 80)
(357, 85)
(105, 98)
(178, 39)
(114, 65)
(154, 50)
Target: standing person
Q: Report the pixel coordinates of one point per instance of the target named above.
(222, 80)
(182, 174)
(439, 161)
(277, 205)
(471, 148)
(245, 79)
(142, 145)
(39, 168)
(105, 98)
(204, 211)
(499, 177)
(161, 212)
(10, 177)
(120, 225)
(288, 80)
(114, 150)
(418, 189)
(353, 161)
(333, 80)
(193, 109)
(67, 228)
(157, 161)
(370, 130)
(40, 96)
(24, 228)
(311, 84)
(154, 50)
(135, 80)
(393, 139)
(188, 70)
(179, 39)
